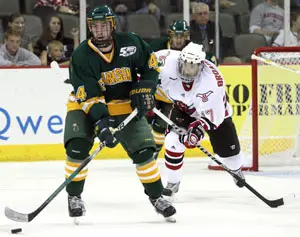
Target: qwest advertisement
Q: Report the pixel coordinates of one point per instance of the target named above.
(33, 109)
(32, 106)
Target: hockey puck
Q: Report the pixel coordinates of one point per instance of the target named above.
(16, 231)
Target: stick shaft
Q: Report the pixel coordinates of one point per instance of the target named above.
(270, 62)
(270, 203)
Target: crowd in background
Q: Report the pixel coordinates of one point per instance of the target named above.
(56, 36)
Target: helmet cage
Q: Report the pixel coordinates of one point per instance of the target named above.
(102, 34)
(188, 71)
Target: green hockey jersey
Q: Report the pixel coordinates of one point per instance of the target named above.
(94, 74)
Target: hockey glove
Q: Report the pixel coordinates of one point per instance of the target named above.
(194, 134)
(142, 97)
(104, 131)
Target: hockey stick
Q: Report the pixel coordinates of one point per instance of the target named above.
(270, 62)
(270, 203)
(20, 217)
(56, 68)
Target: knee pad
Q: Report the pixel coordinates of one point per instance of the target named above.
(142, 156)
(78, 148)
(234, 162)
(172, 142)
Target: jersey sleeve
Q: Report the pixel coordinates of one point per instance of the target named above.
(146, 63)
(256, 18)
(86, 89)
(212, 108)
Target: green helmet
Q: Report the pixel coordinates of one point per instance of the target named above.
(102, 13)
(179, 27)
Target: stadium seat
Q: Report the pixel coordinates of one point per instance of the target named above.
(227, 24)
(256, 2)
(8, 7)
(150, 26)
(244, 23)
(245, 44)
(164, 5)
(242, 6)
(169, 18)
(33, 25)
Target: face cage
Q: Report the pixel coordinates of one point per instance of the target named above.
(188, 71)
(98, 30)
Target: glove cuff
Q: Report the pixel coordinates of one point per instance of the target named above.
(143, 86)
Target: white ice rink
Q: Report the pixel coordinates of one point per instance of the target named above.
(208, 204)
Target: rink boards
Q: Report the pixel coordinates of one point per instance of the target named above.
(33, 107)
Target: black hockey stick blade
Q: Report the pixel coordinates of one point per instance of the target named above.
(270, 203)
(22, 217)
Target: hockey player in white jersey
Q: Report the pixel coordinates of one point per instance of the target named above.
(197, 89)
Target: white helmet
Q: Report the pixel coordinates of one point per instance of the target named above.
(190, 62)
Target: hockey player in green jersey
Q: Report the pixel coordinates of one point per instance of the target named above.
(103, 73)
(179, 37)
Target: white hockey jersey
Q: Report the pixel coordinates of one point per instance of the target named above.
(205, 100)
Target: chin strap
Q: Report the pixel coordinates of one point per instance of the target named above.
(102, 43)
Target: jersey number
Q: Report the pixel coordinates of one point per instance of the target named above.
(81, 94)
(153, 61)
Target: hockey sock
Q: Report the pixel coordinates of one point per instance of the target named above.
(148, 173)
(77, 150)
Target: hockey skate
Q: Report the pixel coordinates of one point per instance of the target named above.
(241, 175)
(165, 208)
(76, 208)
(171, 189)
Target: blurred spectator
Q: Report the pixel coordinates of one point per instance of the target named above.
(53, 30)
(44, 8)
(148, 7)
(211, 4)
(202, 29)
(16, 22)
(11, 54)
(267, 19)
(121, 11)
(56, 53)
(294, 34)
(179, 37)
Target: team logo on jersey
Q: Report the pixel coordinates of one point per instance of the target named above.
(75, 127)
(127, 51)
(116, 76)
(162, 59)
(204, 96)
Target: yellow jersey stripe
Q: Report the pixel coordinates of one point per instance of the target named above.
(106, 59)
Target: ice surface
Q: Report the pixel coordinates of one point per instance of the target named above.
(208, 203)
